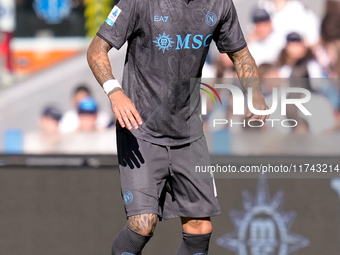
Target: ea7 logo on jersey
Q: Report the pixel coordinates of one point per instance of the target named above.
(161, 18)
(111, 19)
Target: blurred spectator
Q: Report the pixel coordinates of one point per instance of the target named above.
(270, 79)
(330, 32)
(292, 16)
(267, 70)
(70, 121)
(323, 118)
(297, 60)
(49, 120)
(264, 43)
(47, 139)
(7, 27)
(333, 6)
(88, 114)
(88, 139)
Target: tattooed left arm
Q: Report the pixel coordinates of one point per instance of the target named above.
(248, 74)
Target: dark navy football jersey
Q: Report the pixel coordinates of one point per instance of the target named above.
(168, 41)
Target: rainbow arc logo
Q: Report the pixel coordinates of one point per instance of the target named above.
(209, 93)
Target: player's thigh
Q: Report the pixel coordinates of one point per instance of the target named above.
(195, 193)
(142, 167)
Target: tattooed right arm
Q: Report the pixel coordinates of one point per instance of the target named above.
(97, 57)
(122, 106)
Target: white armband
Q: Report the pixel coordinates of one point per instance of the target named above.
(111, 85)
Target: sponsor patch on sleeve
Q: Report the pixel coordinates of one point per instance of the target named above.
(111, 19)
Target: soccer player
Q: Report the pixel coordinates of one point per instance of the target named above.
(159, 129)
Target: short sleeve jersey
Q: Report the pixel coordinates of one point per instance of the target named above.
(168, 41)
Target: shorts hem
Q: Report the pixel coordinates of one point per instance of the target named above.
(145, 211)
(194, 215)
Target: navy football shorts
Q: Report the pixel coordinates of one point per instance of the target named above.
(156, 179)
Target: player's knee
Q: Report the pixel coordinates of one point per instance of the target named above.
(143, 224)
(203, 227)
(197, 226)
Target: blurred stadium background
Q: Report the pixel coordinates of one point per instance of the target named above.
(59, 179)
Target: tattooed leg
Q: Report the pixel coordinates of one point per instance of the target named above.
(134, 236)
(143, 224)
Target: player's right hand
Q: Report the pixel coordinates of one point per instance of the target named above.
(125, 110)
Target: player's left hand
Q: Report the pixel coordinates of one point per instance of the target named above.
(259, 104)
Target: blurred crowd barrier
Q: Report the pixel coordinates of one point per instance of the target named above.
(274, 144)
(220, 143)
(76, 143)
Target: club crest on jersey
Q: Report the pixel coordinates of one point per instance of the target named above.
(111, 19)
(163, 41)
(210, 19)
(128, 197)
